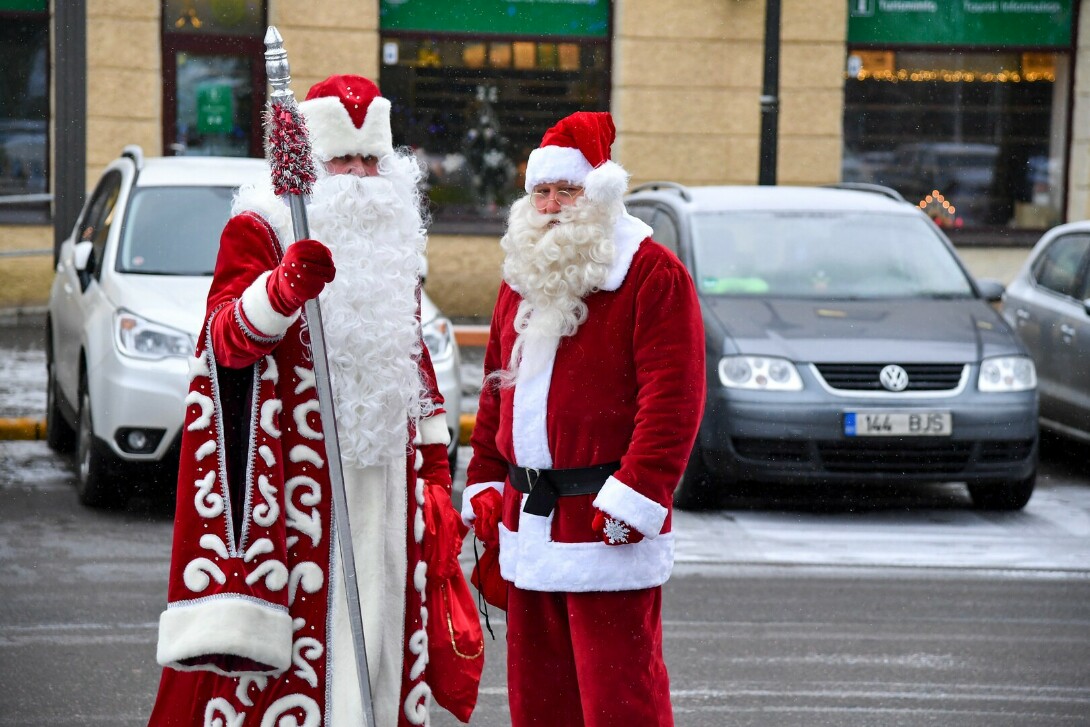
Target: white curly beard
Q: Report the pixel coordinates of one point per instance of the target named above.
(374, 228)
(553, 262)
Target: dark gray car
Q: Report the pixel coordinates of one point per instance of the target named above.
(846, 343)
(1048, 303)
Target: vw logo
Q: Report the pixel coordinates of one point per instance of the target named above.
(894, 378)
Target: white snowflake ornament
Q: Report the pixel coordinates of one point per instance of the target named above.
(616, 531)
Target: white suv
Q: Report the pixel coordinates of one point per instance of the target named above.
(125, 308)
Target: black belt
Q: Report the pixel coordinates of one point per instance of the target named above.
(544, 486)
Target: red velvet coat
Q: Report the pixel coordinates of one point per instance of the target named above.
(246, 637)
(628, 386)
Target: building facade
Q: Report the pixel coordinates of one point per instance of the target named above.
(984, 102)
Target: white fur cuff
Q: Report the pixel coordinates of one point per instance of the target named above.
(224, 625)
(433, 430)
(469, 493)
(620, 501)
(258, 310)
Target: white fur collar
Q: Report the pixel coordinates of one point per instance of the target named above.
(628, 233)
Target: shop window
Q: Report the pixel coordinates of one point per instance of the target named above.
(213, 77)
(24, 109)
(976, 139)
(474, 110)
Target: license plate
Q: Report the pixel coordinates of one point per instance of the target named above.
(885, 423)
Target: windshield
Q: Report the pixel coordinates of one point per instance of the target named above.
(822, 255)
(174, 230)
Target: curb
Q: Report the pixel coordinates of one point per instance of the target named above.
(23, 428)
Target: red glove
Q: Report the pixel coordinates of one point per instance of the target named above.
(444, 531)
(487, 508)
(613, 531)
(305, 270)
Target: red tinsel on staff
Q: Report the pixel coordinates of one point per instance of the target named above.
(287, 148)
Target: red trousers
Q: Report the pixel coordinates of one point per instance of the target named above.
(587, 659)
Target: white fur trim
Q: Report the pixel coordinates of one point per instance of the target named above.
(259, 311)
(225, 625)
(549, 164)
(628, 233)
(606, 183)
(531, 560)
(433, 430)
(528, 433)
(469, 493)
(623, 503)
(332, 133)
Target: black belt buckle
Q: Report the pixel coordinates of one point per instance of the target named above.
(532, 475)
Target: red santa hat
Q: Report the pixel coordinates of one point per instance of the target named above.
(347, 115)
(576, 150)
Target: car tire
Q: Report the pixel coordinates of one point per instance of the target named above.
(94, 485)
(59, 435)
(696, 491)
(1006, 496)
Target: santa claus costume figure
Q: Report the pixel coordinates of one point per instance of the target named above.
(256, 631)
(594, 392)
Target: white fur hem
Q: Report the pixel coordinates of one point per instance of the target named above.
(258, 309)
(607, 183)
(225, 625)
(469, 492)
(622, 502)
(433, 430)
(534, 562)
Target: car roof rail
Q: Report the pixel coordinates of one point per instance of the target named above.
(136, 153)
(681, 189)
(868, 187)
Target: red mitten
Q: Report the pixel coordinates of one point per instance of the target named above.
(306, 268)
(613, 531)
(487, 509)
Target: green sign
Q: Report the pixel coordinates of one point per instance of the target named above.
(571, 18)
(25, 5)
(215, 108)
(1034, 23)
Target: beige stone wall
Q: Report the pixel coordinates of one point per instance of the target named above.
(1078, 190)
(25, 278)
(687, 80)
(327, 37)
(124, 80)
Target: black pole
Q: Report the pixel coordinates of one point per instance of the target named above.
(770, 92)
(70, 116)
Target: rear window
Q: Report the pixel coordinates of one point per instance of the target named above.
(823, 255)
(174, 230)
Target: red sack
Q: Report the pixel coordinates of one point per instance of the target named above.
(455, 639)
(486, 578)
(455, 646)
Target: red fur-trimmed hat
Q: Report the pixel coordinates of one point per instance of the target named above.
(347, 115)
(577, 150)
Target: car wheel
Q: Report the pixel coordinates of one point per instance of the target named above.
(59, 435)
(1004, 495)
(696, 491)
(94, 486)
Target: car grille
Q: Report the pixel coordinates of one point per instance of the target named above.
(771, 450)
(894, 457)
(864, 377)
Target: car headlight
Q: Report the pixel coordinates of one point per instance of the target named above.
(763, 373)
(140, 338)
(439, 338)
(1007, 373)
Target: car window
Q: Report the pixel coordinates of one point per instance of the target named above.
(1058, 266)
(173, 230)
(663, 227)
(823, 255)
(98, 218)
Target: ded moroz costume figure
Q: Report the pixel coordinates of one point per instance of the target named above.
(594, 391)
(256, 630)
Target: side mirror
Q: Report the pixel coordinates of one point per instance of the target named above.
(81, 255)
(990, 290)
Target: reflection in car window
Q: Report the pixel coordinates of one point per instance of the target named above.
(823, 255)
(665, 230)
(1058, 266)
(174, 230)
(94, 226)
